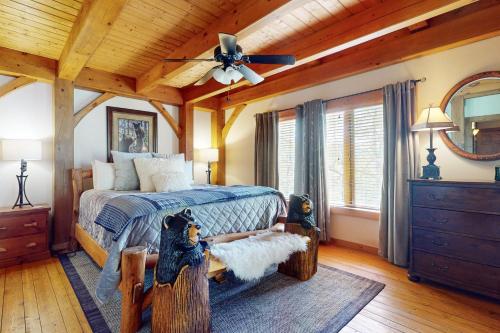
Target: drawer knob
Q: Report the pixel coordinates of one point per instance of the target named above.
(30, 245)
(3, 249)
(3, 228)
(441, 268)
(439, 221)
(434, 197)
(439, 243)
(30, 225)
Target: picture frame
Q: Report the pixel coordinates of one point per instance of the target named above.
(132, 131)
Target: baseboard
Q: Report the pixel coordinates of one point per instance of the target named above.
(355, 246)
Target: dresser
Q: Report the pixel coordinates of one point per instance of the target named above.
(455, 234)
(23, 235)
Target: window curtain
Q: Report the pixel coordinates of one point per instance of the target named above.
(401, 162)
(310, 172)
(266, 149)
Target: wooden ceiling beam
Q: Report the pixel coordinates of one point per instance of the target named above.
(476, 22)
(372, 23)
(208, 105)
(248, 17)
(92, 24)
(93, 79)
(15, 84)
(170, 120)
(17, 63)
(77, 117)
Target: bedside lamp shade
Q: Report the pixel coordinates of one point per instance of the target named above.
(207, 155)
(16, 150)
(432, 118)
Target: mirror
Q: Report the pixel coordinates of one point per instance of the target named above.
(474, 106)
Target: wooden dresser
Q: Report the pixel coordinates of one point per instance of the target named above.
(23, 235)
(455, 234)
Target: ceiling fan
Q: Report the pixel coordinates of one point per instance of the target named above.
(233, 61)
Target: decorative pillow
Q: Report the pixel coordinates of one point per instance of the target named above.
(147, 167)
(103, 175)
(188, 169)
(126, 177)
(171, 182)
(178, 156)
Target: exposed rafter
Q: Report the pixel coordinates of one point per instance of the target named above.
(92, 25)
(248, 17)
(97, 80)
(17, 63)
(15, 84)
(170, 120)
(77, 117)
(477, 22)
(367, 25)
(208, 105)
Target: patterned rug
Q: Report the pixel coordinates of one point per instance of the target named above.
(276, 303)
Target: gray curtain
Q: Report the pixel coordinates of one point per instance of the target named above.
(310, 172)
(401, 162)
(266, 149)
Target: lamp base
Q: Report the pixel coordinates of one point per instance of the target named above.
(431, 171)
(21, 197)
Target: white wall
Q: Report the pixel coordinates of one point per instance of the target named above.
(442, 71)
(26, 113)
(202, 129)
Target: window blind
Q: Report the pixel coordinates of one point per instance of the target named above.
(355, 156)
(286, 152)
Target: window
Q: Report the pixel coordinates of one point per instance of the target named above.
(354, 150)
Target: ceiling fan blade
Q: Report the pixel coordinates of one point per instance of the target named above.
(271, 59)
(250, 75)
(185, 59)
(208, 75)
(227, 43)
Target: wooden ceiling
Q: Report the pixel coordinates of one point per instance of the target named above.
(117, 45)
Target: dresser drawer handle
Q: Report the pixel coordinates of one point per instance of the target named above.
(3, 228)
(439, 221)
(32, 244)
(434, 197)
(3, 249)
(441, 268)
(438, 243)
(29, 225)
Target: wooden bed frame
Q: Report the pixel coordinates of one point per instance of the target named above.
(134, 260)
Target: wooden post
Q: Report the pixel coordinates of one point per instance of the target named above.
(63, 162)
(186, 114)
(302, 265)
(132, 286)
(219, 171)
(183, 307)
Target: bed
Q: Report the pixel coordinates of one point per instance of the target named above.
(128, 248)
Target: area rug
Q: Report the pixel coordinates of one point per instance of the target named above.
(275, 303)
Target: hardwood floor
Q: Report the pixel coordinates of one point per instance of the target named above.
(37, 297)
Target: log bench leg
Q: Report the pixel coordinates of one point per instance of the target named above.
(133, 266)
(302, 265)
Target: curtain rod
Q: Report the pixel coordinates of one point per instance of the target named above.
(360, 93)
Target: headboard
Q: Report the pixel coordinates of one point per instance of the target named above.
(81, 181)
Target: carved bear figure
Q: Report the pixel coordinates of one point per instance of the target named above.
(300, 210)
(179, 246)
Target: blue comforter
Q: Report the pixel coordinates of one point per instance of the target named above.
(119, 212)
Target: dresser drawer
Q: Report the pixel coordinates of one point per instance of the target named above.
(21, 246)
(475, 224)
(20, 225)
(473, 249)
(470, 275)
(457, 198)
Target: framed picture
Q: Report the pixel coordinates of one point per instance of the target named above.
(131, 131)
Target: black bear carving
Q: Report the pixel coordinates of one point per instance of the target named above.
(300, 210)
(179, 246)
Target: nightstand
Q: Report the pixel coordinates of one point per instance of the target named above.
(23, 234)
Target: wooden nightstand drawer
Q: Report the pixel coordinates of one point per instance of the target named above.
(22, 246)
(14, 226)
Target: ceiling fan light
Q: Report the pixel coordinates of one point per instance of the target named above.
(233, 74)
(221, 77)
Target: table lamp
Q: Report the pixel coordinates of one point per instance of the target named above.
(432, 119)
(22, 150)
(207, 155)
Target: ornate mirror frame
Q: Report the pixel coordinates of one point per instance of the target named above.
(444, 103)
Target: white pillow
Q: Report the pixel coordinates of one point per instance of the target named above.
(188, 169)
(147, 167)
(160, 155)
(103, 175)
(171, 182)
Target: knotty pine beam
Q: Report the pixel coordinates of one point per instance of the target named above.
(93, 79)
(63, 162)
(170, 120)
(92, 24)
(473, 23)
(77, 117)
(379, 20)
(186, 117)
(208, 105)
(17, 63)
(15, 84)
(218, 119)
(248, 17)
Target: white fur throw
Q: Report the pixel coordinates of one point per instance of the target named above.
(250, 257)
